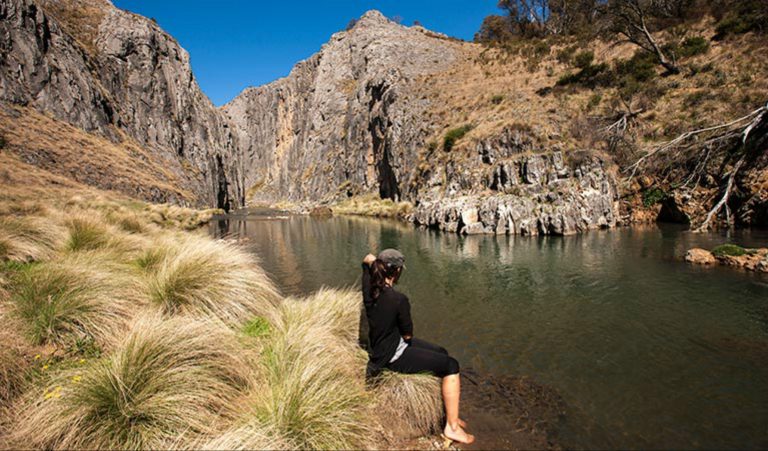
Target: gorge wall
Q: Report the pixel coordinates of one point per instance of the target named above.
(117, 74)
(357, 117)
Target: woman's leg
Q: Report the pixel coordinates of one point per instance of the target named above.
(423, 344)
(453, 425)
(418, 360)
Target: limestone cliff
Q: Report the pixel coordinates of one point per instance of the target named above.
(356, 118)
(117, 74)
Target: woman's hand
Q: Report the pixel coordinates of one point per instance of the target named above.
(369, 259)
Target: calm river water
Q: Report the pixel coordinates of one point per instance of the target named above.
(646, 350)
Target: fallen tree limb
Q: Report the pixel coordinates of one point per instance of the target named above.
(723, 202)
(754, 117)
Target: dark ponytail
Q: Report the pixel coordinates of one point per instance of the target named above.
(380, 272)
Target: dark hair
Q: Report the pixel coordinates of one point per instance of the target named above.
(380, 272)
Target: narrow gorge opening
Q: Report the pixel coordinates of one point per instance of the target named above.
(222, 186)
(386, 178)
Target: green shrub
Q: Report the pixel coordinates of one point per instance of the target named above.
(594, 101)
(497, 99)
(641, 67)
(565, 55)
(653, 196)
(743, 17)
(731, 250)
(693, 46)
(3, 142)
(454, 135)
(583, 59)
(590, 76)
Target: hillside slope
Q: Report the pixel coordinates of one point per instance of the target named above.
(119, 76)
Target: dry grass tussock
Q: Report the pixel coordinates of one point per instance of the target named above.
(372, 205)
(409, 402)
(29, 238)
(217, 278)
(168, 377)
(88, 232)
(315, 394)
(14, 360)
(253, 435)
(83, 296)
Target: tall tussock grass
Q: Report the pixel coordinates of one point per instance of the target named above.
(169, 377)
(211, 277)
(88, 232)
(409, 403)
(14, 360)
(249, 436)
(315, 393)
(29, 238)
(189, 344)
(81, 296)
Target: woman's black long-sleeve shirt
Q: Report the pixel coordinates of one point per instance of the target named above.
(389, 318)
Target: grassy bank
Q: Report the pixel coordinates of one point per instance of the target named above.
(125, 328)
(372, 205)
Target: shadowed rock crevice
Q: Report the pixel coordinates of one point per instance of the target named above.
(222, 188)
(378, 128)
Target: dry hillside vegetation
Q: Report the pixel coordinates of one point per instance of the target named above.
(493, 88)
(89, 159)
(80, 18)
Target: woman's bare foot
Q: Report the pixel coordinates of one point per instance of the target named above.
(462, 423)
(458, 434)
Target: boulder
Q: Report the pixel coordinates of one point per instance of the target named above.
(321, 211)
(700, 256)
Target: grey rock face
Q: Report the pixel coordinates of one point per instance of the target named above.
(43, 66)
(553, 199)
(136, 79)
(346, 121)
(342, 118)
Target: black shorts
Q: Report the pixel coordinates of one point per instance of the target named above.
(423, 357)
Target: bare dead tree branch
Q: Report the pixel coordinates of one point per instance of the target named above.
(723, 202)
(678, 141)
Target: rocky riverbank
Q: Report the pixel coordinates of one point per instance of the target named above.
(730, 255)
(527, 195)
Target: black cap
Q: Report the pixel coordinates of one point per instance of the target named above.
(392, 258)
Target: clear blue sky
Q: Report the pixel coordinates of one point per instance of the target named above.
(239, 43)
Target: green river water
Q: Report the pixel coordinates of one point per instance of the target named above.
(645, 350)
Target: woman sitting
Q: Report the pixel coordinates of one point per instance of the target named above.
(392, 344)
